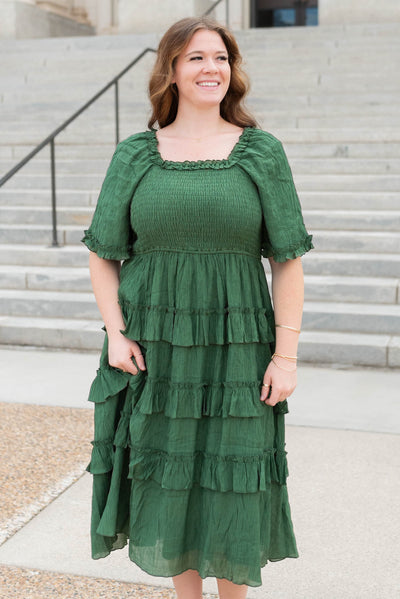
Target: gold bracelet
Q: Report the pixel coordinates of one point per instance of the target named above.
(281, 367)
(285, 326)
(293, 358)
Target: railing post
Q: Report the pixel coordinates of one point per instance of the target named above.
(53, 193)
(116, 113)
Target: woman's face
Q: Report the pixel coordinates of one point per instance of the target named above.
(202, 71)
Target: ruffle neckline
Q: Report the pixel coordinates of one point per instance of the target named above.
(198, 164)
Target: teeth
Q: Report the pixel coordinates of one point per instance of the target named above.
(208, 84)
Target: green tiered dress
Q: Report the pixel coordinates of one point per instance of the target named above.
(187, 463)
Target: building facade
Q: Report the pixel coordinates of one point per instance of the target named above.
(48, 18)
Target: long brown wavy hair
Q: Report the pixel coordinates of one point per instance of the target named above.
(164, 94)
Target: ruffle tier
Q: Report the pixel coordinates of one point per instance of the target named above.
(183, 400)
(240, 474)
(196, 298)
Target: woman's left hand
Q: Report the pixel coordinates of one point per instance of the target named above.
(281, 383)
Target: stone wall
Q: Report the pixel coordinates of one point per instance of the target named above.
(41, 18)
(332, 12)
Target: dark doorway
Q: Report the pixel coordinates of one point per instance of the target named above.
(283, 13)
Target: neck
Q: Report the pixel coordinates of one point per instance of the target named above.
(198, 122)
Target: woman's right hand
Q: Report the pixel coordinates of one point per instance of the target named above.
(120, 353)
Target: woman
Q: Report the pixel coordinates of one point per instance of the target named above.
(188, 457)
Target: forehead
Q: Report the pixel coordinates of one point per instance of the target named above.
(205, 40)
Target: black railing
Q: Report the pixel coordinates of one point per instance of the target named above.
(50, 138)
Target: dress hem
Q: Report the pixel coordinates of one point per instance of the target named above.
(202, 575)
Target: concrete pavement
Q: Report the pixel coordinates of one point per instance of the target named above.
(344, 462)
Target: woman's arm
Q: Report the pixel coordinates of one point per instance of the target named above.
(104, 275)
(288, 298)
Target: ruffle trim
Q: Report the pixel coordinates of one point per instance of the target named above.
(183, 400)
(289, 253)
(240, 474)
(196, 327)
(107, 383)
(199, 164)
(105, 251)
(191, 400)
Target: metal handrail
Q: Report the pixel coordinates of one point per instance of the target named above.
(50, 138)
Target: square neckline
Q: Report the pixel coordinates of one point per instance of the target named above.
(203, 163)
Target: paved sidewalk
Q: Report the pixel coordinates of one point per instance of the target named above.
(344, 462)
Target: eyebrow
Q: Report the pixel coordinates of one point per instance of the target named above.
(201, 52)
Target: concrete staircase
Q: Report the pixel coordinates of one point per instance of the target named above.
(331, 94)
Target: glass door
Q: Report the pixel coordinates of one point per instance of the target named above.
(283, 13)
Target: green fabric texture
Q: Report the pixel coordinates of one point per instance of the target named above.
(189, 467)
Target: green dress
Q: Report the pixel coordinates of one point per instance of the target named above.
(188, 464)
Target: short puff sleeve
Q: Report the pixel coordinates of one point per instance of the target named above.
(283, 234)
(110, 234)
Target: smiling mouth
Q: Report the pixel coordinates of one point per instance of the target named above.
(209, 84)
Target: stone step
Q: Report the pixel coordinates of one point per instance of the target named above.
(59, 333)
(341, 136)
(67, 198)
(324, 45)
(351, 264)
(318, 166)
(34, 255)
(338, 182)
(352, 200)
(267, 101)
(304, 182)
(355, 220)
(333, 135)
(325, 316)
(45, 278)
(330, 347)
(41, 166)
(375, 290)
(354, 241)
(345, 166)
(317, 287)
(356, 349)
(42, 215)
(362, 318)
(310, 200)
(299, 104)
(48, 304)
(40, 234)
(274, 119)
(346, 151)
(324, 240)
(314, 263)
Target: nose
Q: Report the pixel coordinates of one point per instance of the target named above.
(210, 65)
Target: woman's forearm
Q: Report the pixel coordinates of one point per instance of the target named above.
(104, 275)
(288, 298)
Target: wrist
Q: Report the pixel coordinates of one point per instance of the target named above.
(284, 364)
(114, 332)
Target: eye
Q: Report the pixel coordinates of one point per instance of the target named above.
(223, 57)
(195, 57)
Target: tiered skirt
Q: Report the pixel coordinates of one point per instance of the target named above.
(189, 467)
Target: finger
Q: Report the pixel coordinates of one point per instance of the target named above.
(139, 358)
(130, 367)
(265, 388)
(274, 397)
